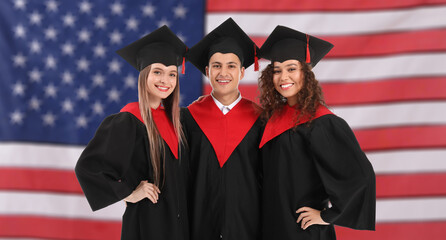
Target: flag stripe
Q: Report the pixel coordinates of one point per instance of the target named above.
(45, 180)
(410, 185)
(58, 228)
(402, 138)
(411, 209)
(367, 69)
(404, 230)
(314, 5)
(333, 23)
(382, 44)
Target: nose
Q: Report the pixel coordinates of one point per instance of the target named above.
(223, 71)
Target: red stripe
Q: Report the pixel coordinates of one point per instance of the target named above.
(410, 185)
(429, 88)
(382, 44)
(314, 5)
(388, 231)
(58, 228)
(402, 137)
(39, 180)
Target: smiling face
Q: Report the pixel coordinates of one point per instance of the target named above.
(288, 79)
(224, 72)
(161, 82)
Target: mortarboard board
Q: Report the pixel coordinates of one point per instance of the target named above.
(226, 38)
(285, 43)
(159, 46)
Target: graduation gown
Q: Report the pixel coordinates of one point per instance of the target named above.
(310, 166)
(117, 159)
(225, 170)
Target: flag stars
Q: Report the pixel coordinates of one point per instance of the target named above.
(67, 106)
(68, 20)
(49, 119)
(20, 4)
(130, 81)
(100, 22)
(18, 89)
(132, 24)
(182, 37)
(20, 31)
(50, 33)
(19, 60)
(35, 75)
(99, 51)
(114, 95)
(116, 37)
(163, 22)
(67, 78)
(34, 103)
(114, 66)
(98, 108)
(85, 7)
(84, 35)
(148, 10)
(35, 18)
(52, 6)
(180, 11)
(83, 64)
(82, 121)
(50, 91)
(35, 46)
(98, 80)
(117, 8)
(68, 49)
(82, 93)
(17, 117)
(50, 62)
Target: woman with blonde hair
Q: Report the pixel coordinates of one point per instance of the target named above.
(135, 154)
(310, 156)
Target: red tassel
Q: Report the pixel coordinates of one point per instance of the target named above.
(256, 59)
(308, 58)
(183, 66)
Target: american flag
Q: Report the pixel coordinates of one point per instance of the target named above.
(60, 77)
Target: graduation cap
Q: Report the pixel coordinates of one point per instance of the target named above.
(285, 43)
(226, 38)
(159, 46)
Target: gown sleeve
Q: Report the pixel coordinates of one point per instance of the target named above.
(346, 173)
(105, 160)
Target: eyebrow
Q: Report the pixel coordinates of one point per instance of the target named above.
(288, 65)
(226, 63)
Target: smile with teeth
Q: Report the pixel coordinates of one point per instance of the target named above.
(162, 88)
(223, 80)
(286, 86)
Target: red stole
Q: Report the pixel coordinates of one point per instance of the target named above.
(224, 132)
(162, 122)
(283, 120)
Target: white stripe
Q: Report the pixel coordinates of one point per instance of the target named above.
(39, 155)
(55, 205)
(68, 206)
(335, 23)
(366, 69)
(396, 114)
(408, 161)
(407, 210)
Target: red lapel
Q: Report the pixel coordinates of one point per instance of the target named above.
(225, 132)
(163, 124)
(283, 120)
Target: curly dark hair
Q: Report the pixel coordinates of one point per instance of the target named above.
(310, 96)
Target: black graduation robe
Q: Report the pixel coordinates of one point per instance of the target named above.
(310, 166)
(225, 170)
(117, 159)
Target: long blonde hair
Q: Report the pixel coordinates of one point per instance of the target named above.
(171, 106)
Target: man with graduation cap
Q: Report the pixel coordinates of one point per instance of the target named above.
(119, 162)
(310, 156)
(223, 133)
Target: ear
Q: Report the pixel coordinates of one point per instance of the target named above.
(242, 73)
(207, 71)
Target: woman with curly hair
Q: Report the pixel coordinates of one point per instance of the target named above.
(315, 174)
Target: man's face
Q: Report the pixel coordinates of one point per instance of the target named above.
(224, 72)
